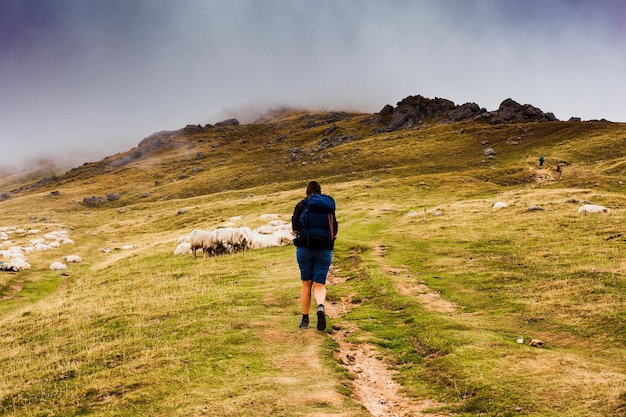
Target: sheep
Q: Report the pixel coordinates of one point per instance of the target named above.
(196, 241)
(9, 267)
(592, 208)
(183, 239)
(128, 247)
(21, 263)
(279, 238)
(286, 236)
(58, 235)
(277, 223)
(499, 205)
(269, 216)
(266, 230)
(183, 248)
(225, 240)
(286, 226)
(73, 258)
(232, 239)
(58, 266)
(41, 247)
(204, 240)
(5, 254)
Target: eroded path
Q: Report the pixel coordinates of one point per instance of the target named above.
(373, 385)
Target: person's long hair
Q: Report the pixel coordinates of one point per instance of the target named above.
(313, 187)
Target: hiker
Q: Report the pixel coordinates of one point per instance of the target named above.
(559, 171)
(315, 226)
(541, 159)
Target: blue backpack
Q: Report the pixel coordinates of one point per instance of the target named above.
(318, 223)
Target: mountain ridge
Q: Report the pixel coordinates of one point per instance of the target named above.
(411, 113)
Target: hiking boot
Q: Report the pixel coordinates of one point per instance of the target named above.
(304, 324)
(321, 317)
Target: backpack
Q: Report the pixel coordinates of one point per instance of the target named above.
(318, 223)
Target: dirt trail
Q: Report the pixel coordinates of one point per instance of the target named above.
(373, 384)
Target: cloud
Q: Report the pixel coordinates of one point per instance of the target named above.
(93, 78)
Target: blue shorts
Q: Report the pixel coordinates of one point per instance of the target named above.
(314, 263)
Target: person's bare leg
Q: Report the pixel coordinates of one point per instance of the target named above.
(320, 298)
(305, 296)
(305, 300)
(319, 291)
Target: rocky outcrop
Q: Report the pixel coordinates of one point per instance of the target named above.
(418, 110)
(512, 112)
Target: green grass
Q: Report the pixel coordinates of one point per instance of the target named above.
(442, 284)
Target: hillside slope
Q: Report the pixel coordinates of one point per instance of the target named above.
(429, 281)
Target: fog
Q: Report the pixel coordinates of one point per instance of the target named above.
(83, 79)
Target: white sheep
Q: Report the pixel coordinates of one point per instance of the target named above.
(73, 258)
(277, 223)
(266, 230)
(183, 239)
(58, 266)
(42, 247)
(21, 263)
(9, 267)
(592, 208)
(499, 205)
(204, 240)
(56, 235)
(232, 239)
(5, 254)
(128, 247)
(269, 216)
(226, 242)
(278, 238)
(183, 248)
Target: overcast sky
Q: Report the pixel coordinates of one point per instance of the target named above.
(90, 78)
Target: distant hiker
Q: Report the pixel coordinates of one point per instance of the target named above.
(559, 171)
(541, 159)
(315, 226)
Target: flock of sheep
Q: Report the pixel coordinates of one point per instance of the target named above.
(223, 240)
(226, 240)
(13, 258)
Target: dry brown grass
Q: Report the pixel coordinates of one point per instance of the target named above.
(142, 332)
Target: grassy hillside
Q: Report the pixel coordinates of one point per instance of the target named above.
(446, 291)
